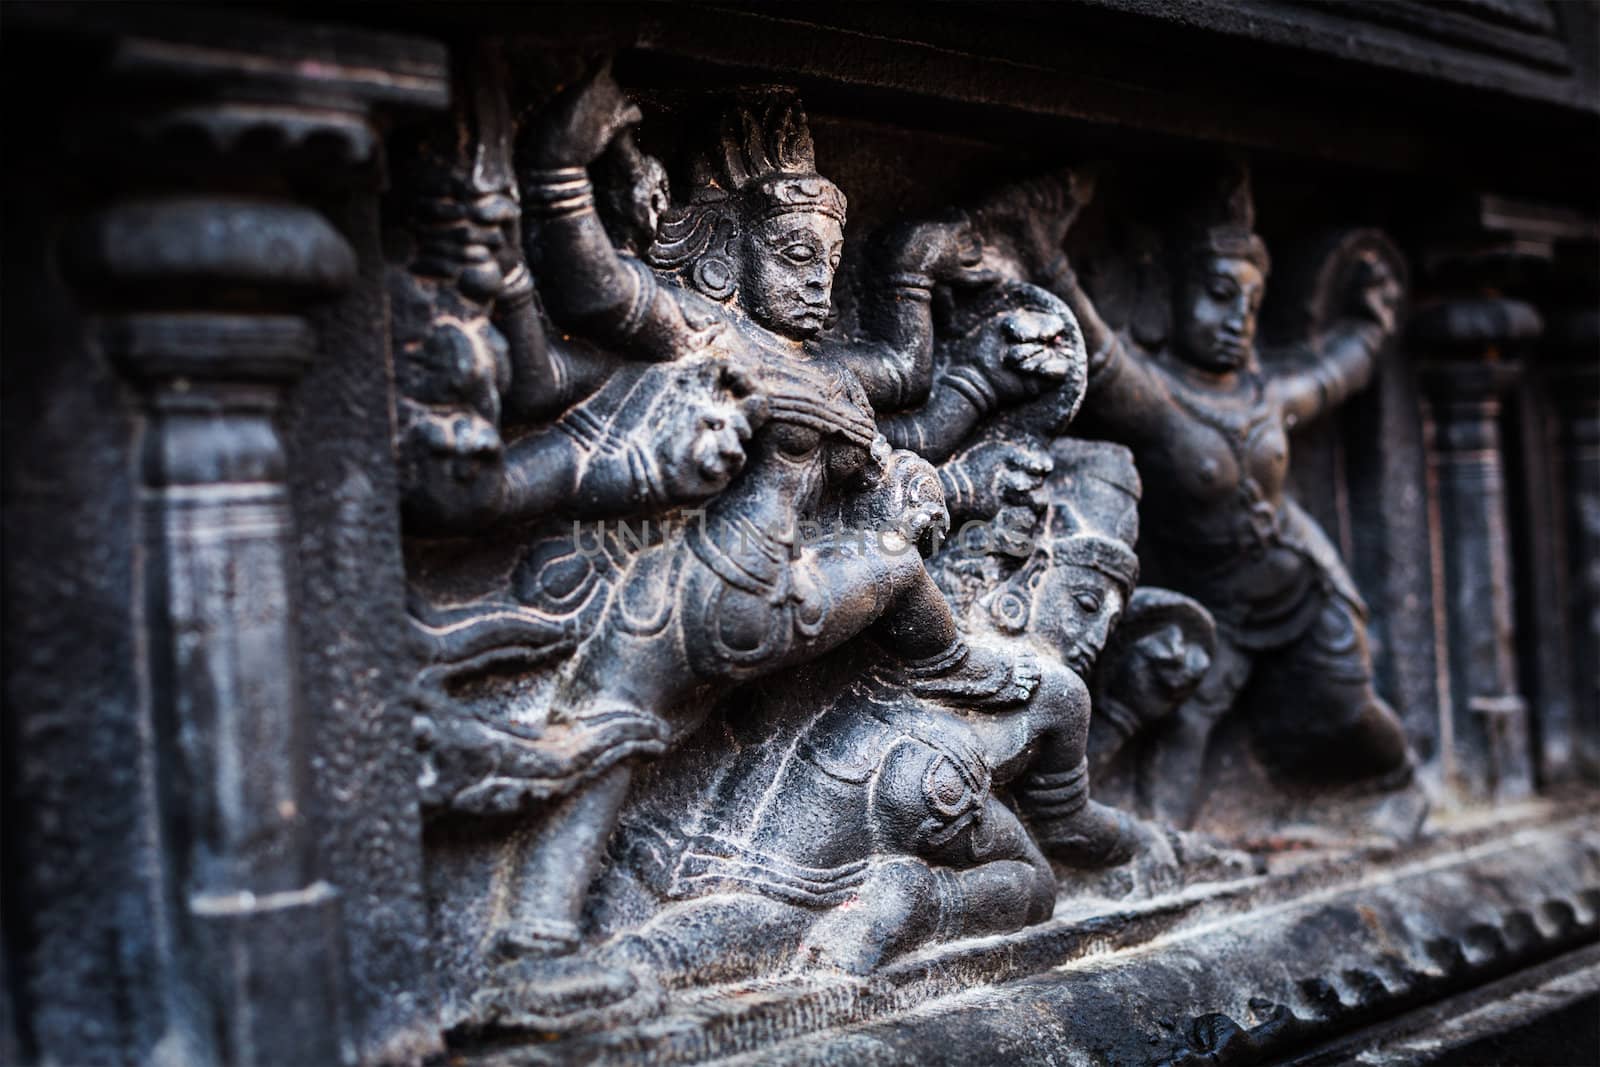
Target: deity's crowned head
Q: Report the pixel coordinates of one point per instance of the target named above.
(1073, 588)
(760, 224)
(1222, 280)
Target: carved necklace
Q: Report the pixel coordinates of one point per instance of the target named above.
(1260, 525)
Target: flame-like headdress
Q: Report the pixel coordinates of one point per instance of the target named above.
(764, 164)
(1228, 218)
(767, 157)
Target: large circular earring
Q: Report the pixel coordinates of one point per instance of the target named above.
(1009, 610)
(714, 277)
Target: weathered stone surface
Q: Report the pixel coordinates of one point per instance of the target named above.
(676, 534)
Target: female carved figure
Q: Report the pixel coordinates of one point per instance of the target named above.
(1208, 425)
(740, 277)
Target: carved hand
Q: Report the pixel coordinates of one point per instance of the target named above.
(1376, 291)
(1040, 344)
(993, 475)
(1031, 218)
(581, 121)
(1020, 665)
(1029, 351)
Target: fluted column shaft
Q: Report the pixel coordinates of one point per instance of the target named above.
(1486, 754)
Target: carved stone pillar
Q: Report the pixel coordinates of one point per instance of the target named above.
(1485, 742)
(224, 687)
(203, 268)
(1575, 388)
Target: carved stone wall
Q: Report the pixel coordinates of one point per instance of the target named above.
(806, 534)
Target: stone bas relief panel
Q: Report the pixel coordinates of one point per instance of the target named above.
(792, 601)
(516, 562)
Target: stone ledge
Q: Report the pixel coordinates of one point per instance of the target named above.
(1220, 973)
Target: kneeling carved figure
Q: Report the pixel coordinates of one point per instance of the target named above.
(911, 804)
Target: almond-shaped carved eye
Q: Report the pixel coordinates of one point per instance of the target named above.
(1086, 600)
(799, 253)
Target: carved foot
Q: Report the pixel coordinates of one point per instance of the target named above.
(1202, 858)
(975, 675)
(1400, 814)
(1382, 813)
(1167, 861)
(561, 994)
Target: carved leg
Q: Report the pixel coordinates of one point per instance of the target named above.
(723, 938)
(650, 653)
(1316, 714)
(1048, 734)
(555, 865)
(954, 861)
(1012, 885)
(1170, 776)
(896, 908)
(864, 584)
(1320, 724)
(905, 902)
(1047, 739)
(539, 982)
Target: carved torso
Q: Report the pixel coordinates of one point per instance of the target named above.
(1217, 523)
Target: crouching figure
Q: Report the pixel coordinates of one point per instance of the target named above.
(914, 800)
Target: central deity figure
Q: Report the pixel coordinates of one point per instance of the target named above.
(739, 276)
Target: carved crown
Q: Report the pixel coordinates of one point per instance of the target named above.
(1227, 220)
(764, 164)
(1094, 509)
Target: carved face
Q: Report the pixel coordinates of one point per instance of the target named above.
(1220, 299)
(1159, 670)
(788, 264)
(1074, 609)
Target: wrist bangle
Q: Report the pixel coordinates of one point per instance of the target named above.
(974, 387)
(517, 287)
(557, 193)
(958, 490)
(910, 279)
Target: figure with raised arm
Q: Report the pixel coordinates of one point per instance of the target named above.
(738, 278)
(1208, 424)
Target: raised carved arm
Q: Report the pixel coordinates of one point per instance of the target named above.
(588, 285)
(1346, 350)
(894, 358)
(1023, 341)
(676, 437)
(1026, 223)
(548, 375)
(1127, 398)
